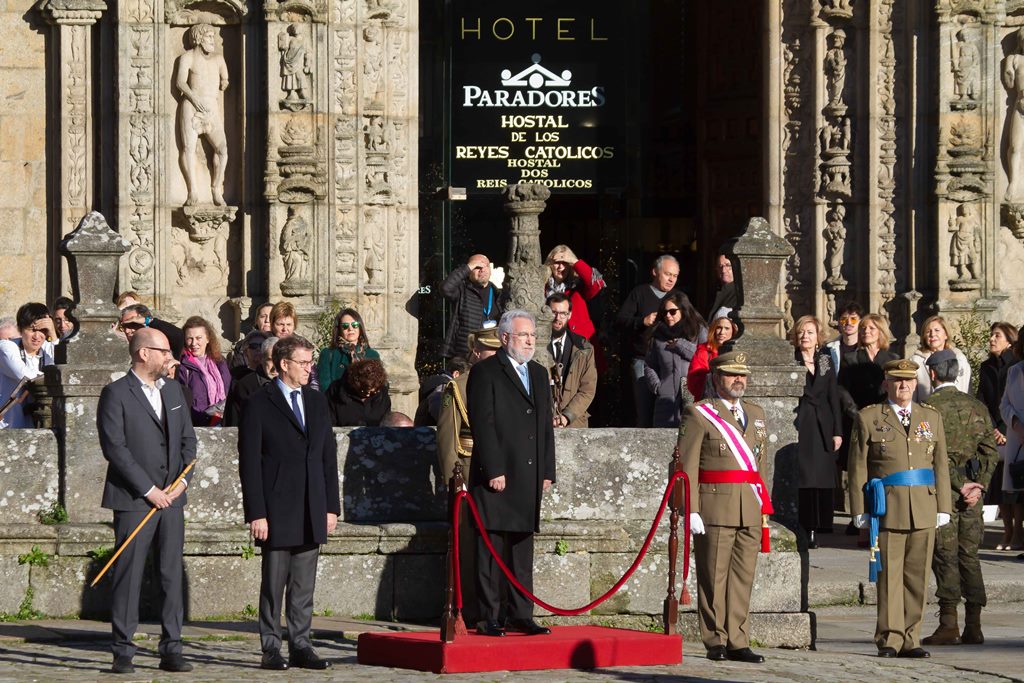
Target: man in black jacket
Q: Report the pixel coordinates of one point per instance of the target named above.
(288, 465)
(513, 464)
(475, 300)
(138, 316)
(637, 313)
(246, 385)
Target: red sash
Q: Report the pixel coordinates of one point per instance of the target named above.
(744, 477)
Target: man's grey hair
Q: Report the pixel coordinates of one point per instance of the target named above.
(946, 371)
(138, 309)
(661, 260)
(268, 347)
(505, 324)
(8, 322)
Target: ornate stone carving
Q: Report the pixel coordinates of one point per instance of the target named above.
(835, 138)
(76, 132)
(965, 248)
(835, 246)
(965, 62)
(374, 258)
(837, 9)
(1013, 81)
(73, 12)
(299, 163)
(202, 77)
(285, 10)
(199, 251)
(527, 274)
(373, 67)
(835, 70)
(206, 223)
(1013, 218)
(885, 180)
(295, 245)
(296, 68)
(180, 12)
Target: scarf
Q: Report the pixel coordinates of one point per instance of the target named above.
(211, 377)
(665, 332)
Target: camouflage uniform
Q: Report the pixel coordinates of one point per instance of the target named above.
(971, 449)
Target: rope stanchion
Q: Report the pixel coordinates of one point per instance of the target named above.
(459, 496)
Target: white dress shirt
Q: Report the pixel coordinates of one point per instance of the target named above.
(287, 391)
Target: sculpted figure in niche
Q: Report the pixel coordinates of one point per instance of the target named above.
(295, 63)
(1013, 81)
(965, 244)
(965, 67)
(835, 66)
(202, 76)
(295, 241)
(835, 242)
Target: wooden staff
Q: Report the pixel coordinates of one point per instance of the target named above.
(145, 519)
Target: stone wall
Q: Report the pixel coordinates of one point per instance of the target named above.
(387, 556)
(23, 129)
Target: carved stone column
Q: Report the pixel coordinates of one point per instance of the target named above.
(73, 22)
(94, 357)
(526, 276)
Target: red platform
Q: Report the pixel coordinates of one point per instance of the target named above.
(568, 647)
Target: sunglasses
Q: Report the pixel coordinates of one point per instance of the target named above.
(345, 326)
(671, 311)
(131, 326)
(852, 320)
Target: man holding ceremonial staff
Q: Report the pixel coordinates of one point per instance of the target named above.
(899, 486)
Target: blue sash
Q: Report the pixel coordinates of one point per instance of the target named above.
(874, 505)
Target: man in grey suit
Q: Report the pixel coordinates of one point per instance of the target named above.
(147, 438)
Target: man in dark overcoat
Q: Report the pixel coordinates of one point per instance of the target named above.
(288, 464)
(513, 464)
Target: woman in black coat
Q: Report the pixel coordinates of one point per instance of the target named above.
(819, 427)
(861, 372)
(991, 384)
(360, 398)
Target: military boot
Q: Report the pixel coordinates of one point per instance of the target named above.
(948, 633)
(972, 626)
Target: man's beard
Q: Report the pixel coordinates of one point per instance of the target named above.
(523, 356)
(733, 393)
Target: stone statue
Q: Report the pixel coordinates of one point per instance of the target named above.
(965, 67)
(835, 67)
(965, 244)
(1013, 81)
(202, 76)
(295, 243)
(835, 243)
(295, 63)
(374, 261)
(836, 138)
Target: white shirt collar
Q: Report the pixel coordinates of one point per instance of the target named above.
(158, 384)
(944, 384)
(896, 408)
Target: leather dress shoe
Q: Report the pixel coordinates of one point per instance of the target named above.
(306, 658)
(915, 653)
(122, 665)
(527, 626)
(175, 664)
(489, 628)
(273, 661)
(716, 653)
(744, 654)
(887, 652)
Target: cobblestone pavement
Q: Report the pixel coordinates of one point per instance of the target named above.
(230, 653)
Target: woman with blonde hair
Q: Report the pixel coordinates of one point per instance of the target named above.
(697, 377)
(819, 428)
(935, 337)
(861, 371)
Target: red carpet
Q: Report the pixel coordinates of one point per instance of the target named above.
(568, 647)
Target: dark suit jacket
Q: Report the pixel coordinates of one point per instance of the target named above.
(863, 377)
(818, 421)
(281, 466)
(142, 450)
(512, 436)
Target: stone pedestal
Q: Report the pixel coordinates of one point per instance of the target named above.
(524, 282)
(94, 357)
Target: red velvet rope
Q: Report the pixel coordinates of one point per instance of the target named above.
(614, 589)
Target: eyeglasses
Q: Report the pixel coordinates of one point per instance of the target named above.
(849, 319)
(353, 325)
(671, 311)
(560, 314)
(157, 348)
(302, 363)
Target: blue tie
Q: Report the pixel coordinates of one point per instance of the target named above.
(525, 377)
(297, 410)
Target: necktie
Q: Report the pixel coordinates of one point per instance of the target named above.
(738, 415)
(524, 377)
(558, 351)
(297, 410)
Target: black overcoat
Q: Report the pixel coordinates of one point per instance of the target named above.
(289, 477)
(818, 421)
(512, 436)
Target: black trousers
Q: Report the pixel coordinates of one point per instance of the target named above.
(516, 548)
(815, 509)
(167, 530)
(295, 568)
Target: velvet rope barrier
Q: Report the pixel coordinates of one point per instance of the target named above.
(612, 591)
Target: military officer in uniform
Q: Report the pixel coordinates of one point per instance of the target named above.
(899, 482)
(971, 448)
(722, 443)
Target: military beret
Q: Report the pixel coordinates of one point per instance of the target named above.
(486, 337)
(901, 369)
(940, 357)
(731, 363)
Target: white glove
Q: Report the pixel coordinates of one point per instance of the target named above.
(696, 524)
(941, 519)
(860, 521)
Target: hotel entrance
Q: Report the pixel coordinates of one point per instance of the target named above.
(643, 119)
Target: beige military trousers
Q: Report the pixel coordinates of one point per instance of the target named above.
(902, 587)
(725, 562)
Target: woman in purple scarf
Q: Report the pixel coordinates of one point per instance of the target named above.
(204, 372)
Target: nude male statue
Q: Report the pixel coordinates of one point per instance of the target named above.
(202, 76)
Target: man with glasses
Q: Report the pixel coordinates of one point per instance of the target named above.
(288, 465)
(137, 316)
(513, 464)
(146, 435)
(575, 371)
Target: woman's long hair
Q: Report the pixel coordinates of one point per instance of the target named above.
(212, 342)
(690, 321)
(364, 341)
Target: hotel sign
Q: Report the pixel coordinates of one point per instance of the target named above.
(537, 96)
